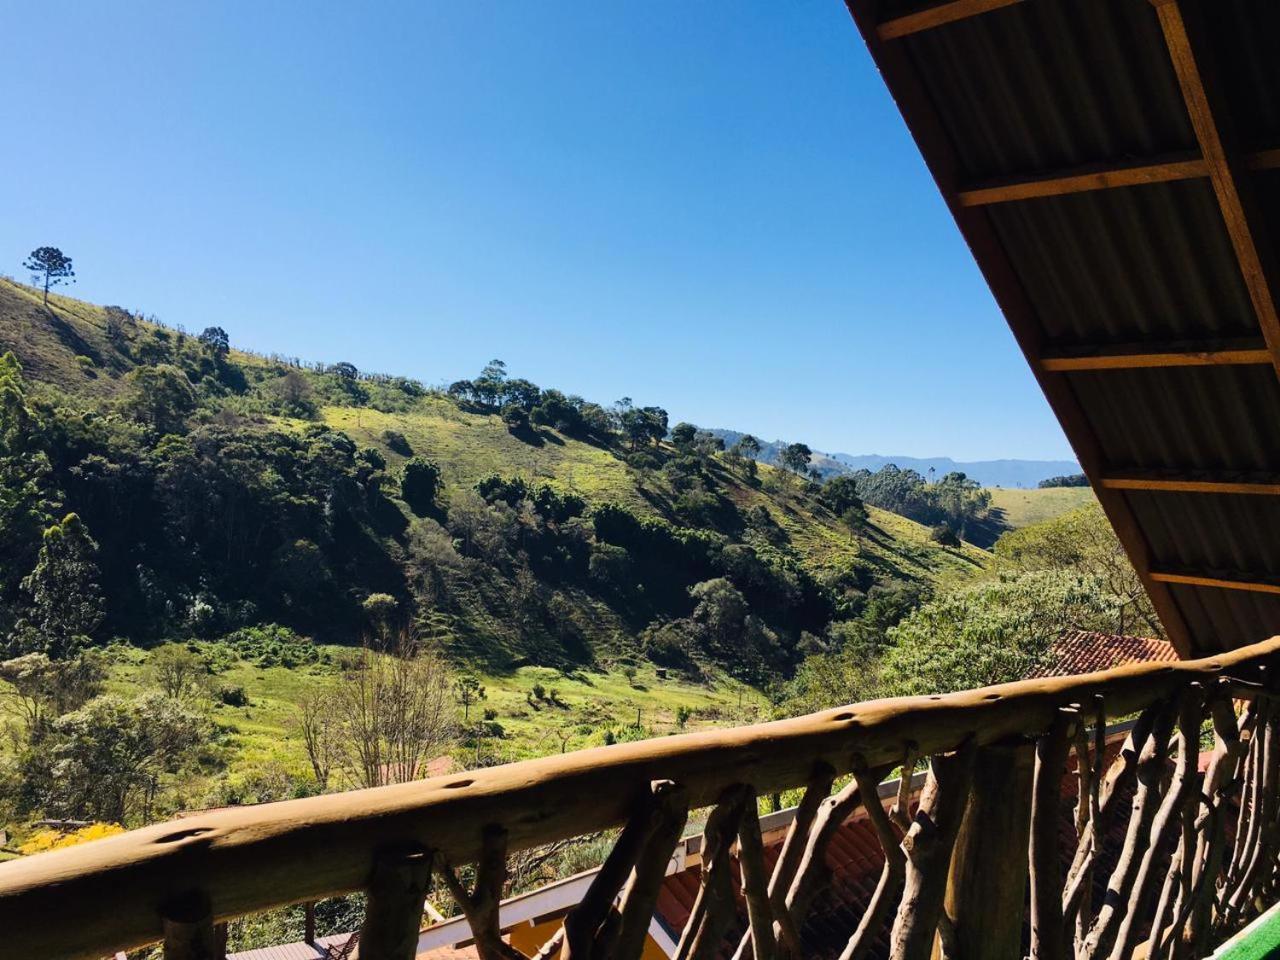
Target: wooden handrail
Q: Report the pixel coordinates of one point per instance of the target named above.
(110, 895)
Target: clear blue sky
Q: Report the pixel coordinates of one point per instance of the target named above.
(713, 206)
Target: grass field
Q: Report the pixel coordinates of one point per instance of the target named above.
(1021, 508)
(260, 747)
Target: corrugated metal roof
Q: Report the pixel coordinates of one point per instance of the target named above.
(1031, 89)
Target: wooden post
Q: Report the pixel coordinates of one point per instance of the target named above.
(393, 915)
(928, 846)
(309, 923)
(188, 929)
(1048, 934)
(987, 886)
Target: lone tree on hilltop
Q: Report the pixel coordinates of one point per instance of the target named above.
(216, 339)
(50, 266)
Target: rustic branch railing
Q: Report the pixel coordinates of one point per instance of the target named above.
(1199, 858)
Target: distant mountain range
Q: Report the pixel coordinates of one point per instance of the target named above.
(989, 473)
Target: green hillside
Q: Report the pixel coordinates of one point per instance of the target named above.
(493, 579)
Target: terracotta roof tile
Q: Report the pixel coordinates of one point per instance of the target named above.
(1085, 651)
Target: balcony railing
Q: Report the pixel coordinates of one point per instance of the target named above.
(1199, 855)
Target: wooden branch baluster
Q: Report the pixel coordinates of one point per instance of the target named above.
(590, 926)
(1248, 799)
(1179, 793)
(480, 906)
(1221, 782)
(1149, 773)
(927, 846)
(755, 881)
(188, 929)
(1048, 938)
(889, 887)
(813, 874)
(900, 812)
(713, 910)
(393, 914)
(640, 896)
(1121, 773)
(1198, 859)
(1262, 826)
(1077, 905)
(784, 870)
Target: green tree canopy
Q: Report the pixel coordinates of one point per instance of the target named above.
(160, 396)
(66, 601)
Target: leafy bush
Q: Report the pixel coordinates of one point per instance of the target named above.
(271, 645)
(233, 695)
(397, 442)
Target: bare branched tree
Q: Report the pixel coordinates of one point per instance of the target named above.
(391, 715)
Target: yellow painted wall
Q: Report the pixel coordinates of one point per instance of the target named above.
(529, 939)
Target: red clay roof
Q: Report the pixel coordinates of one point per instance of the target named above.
(1084, 651)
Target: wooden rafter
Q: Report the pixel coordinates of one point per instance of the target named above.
(1102, 176)
(975, 225)
(1147, 355)
(1208, 119)
(937, 16)
(1233, 582)
(1083, 180)
(1189, 484)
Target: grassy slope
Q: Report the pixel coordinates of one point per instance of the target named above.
(262, 737)
(1022, 508)
(469, 446)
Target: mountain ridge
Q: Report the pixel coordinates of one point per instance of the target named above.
(1010, 472)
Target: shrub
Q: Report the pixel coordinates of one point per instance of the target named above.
(271, 645)
(233, 695)
(397, 442)
(419, 484)
(943, 534)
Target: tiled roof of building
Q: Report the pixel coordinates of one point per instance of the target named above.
(1086, 651)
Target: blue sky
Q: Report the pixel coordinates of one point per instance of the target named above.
(713, 206)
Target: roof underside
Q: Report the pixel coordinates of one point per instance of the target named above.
(1115, 168)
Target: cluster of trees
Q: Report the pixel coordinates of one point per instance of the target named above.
(954, 502)
(143, 524)
(521, 403)
(1068, 480)
(1069, 573)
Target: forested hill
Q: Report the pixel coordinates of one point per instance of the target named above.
(156, 484)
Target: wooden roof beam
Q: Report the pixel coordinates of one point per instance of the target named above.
(1164, 483)
(1083, 180)
(1232, 582)
(1155, 355)
(938, 15)
(1102, 176)
(1209, 120)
